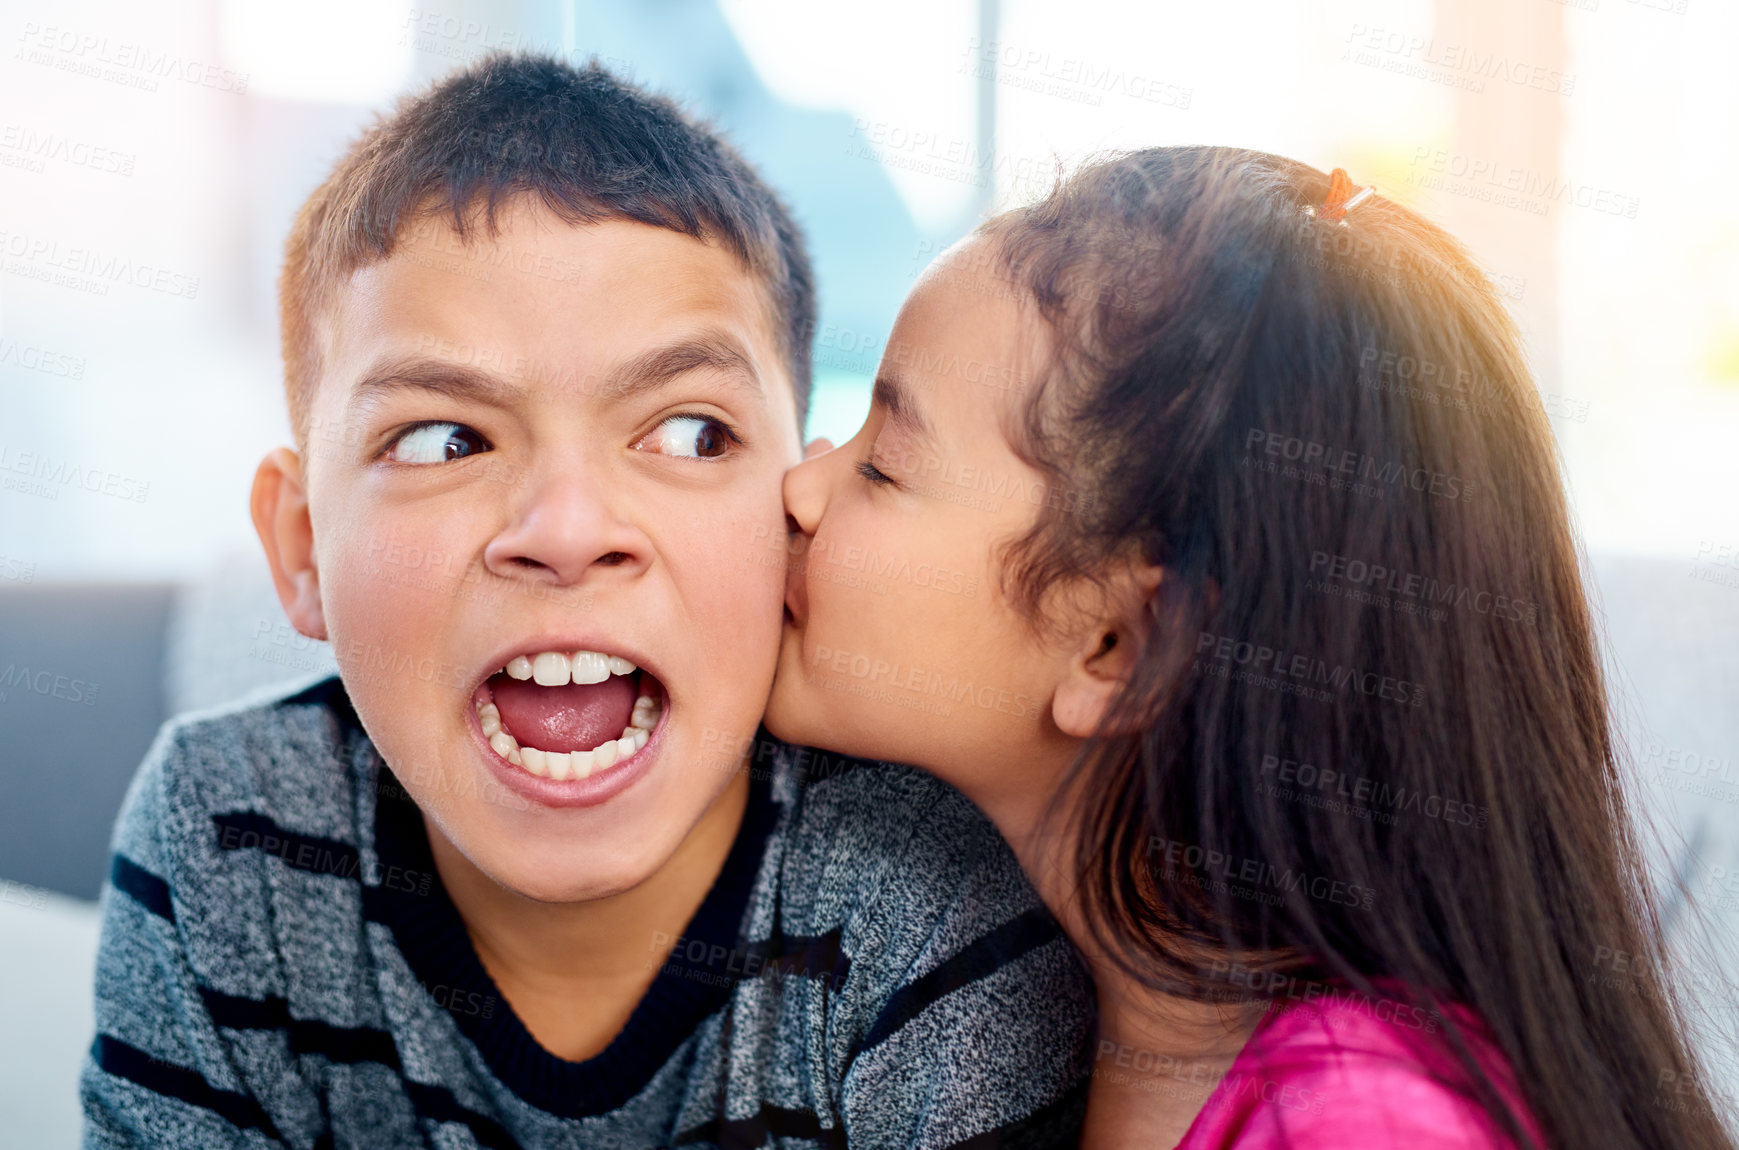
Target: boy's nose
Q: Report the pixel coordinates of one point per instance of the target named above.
(563, 526)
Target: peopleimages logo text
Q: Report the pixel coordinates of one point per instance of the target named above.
(1366, 468)
(1266, 660)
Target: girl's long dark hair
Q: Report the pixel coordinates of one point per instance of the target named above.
(1371, 739)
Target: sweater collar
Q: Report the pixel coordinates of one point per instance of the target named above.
(432, 937)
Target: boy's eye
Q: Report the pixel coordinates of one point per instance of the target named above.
(436, 443)
(689, 437)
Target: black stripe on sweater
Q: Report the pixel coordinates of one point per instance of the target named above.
(141, 886)
(984, 957)
(350, 1044)
(178, 1082)
(821, 956)
(783, 956)
(249, 830)
(305, 1035)
(437, 1104)
(753, 1131)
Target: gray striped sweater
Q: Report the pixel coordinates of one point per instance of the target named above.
(280, 965)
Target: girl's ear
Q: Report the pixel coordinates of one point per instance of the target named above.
(279, 505)
(1106, 655)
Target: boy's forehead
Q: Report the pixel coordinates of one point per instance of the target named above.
(544, 303)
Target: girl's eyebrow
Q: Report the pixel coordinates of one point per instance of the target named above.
(902, 408)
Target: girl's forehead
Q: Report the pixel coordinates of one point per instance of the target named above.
(977, 257)
(968, 321)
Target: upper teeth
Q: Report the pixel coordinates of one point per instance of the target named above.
(556, 668)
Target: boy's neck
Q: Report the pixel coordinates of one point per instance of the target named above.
(574, 972)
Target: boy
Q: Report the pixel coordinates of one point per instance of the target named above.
(504, 882)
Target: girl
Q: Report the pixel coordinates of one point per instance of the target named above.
(1206, 530)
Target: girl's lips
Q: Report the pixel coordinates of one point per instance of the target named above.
(796, 592)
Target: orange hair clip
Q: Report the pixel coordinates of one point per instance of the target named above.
(1341, 199)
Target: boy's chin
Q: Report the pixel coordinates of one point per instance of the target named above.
(575, 887)
(582, 855)
(572, 876)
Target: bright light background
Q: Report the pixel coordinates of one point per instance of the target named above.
(208, 120)
(1634, 319)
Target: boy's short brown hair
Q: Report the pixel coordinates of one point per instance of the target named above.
(586, 145)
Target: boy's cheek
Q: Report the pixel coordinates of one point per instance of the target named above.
(740, 573)
(734, 583)
(391, 610)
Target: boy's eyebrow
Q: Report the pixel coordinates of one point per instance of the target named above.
(444, 377)
(643, 373)
(902, 410)
(655, 368)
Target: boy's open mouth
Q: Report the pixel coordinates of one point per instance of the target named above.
(568, 714)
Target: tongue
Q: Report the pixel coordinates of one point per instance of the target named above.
(576, 717)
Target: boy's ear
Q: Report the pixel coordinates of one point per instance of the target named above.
(818, 446)
(1106, 656)
(279, 505)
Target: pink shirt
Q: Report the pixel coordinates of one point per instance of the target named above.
(1345, 1071)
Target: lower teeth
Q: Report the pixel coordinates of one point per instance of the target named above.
(564, 765)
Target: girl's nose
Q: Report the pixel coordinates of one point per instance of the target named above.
(806, 487)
